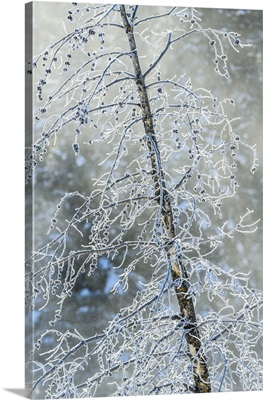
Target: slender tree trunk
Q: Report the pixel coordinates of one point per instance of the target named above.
(178, 272)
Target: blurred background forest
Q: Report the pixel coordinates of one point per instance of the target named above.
(64, 172)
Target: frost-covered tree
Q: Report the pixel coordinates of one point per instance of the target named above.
(154, 215)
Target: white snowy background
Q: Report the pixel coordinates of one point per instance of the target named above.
(12, 194)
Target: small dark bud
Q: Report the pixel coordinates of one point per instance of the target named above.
(75, 148)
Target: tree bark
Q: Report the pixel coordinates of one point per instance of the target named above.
(178, 271)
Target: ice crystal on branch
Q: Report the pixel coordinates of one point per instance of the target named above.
(150, 223)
